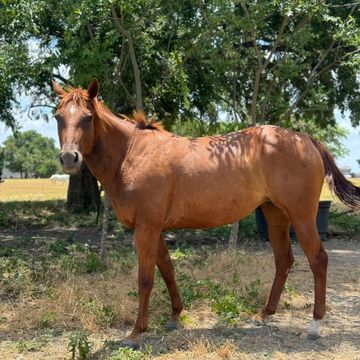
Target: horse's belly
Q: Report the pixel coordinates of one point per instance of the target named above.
(212, 211)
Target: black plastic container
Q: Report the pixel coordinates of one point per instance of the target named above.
(322, 222)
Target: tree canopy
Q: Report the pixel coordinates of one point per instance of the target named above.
(31, 154)
(289, 62)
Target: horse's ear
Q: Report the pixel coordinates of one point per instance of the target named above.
(93, 89)
(58, 89)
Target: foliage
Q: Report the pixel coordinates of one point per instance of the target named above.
(266, 61)
(80, 259)
(79, 346)
(31, 154)
(344, 223)
(224, 302)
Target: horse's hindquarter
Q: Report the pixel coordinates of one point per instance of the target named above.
(292, 168)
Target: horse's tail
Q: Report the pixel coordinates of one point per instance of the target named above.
(345, 191)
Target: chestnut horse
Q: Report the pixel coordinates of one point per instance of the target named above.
(157, 180)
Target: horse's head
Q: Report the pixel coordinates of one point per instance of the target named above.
(75, 118)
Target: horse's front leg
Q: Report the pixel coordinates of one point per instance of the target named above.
(146, 240)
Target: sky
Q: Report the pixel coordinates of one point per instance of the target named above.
(49, 129)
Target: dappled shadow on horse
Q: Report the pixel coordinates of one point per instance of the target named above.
(157, 181)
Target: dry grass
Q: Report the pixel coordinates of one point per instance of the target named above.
(78, 299)
(204, 350)
(32, 190)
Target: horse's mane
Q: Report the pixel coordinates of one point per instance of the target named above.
(81, 98)
(142, 122)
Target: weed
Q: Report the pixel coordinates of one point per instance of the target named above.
(81, 260)
(290, 290)
(48, 319)
(93, 263)
(15, 274)
(227, 307)
(251, 301)
(79, 346)
(33, 345)
(58, 247)
(105, 316)
(127, 354)
(286, 305)
(179, 254)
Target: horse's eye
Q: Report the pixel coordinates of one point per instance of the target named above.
(88, 118)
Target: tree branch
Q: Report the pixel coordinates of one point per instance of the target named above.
(64, 80)
(252, 32)
(277, 41)
(306, 91)
(314, 75)
(262, 64)
(130, 41)
(298, 27)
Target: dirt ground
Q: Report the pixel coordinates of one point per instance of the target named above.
(284, 336)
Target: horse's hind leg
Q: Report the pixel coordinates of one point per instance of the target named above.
(278, 228)
(166, 268)
(310, 242)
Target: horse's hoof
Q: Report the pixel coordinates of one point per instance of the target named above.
(173, 325)
(131, 344)
(313, 331)
(313, 336)
(258, 320)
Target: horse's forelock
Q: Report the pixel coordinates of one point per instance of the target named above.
(77, 95)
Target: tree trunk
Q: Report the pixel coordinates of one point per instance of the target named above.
(83, 191)
(105, 225)
(233, 235)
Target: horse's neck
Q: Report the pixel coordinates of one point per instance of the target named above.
(109, 151)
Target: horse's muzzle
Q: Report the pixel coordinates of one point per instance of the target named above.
(70, 161)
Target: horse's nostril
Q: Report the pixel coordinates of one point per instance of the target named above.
(61, 159)
(76, 157)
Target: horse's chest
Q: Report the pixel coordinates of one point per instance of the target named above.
(123, 206)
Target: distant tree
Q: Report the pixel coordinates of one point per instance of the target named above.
(358, 161)
(31, 154)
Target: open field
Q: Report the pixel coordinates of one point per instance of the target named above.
(55, 290)
(32, 190)
(44, 189)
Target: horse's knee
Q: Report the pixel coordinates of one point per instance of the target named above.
(319, 263)
(284, 264)
(146, 283)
